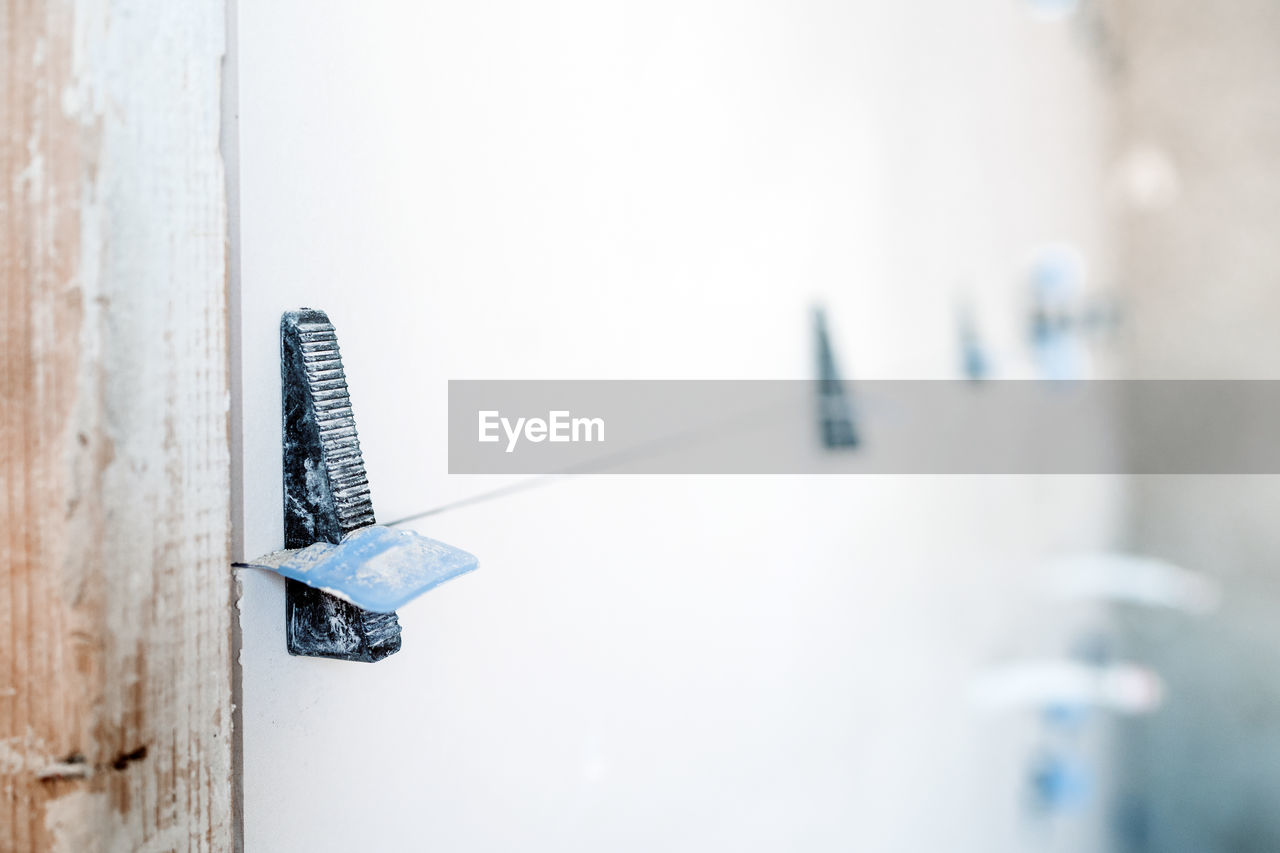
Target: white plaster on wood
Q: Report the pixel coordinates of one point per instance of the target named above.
(125, 335)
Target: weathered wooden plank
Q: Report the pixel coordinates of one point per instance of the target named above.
(115, 669)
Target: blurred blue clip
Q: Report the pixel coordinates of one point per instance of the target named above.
(973, 355)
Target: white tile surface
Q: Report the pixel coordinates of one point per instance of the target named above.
(604, 189)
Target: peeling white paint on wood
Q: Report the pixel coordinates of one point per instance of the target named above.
(115, 685)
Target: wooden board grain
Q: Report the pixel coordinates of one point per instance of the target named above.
(115, 663)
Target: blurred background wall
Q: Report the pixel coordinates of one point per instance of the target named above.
(1199, 247)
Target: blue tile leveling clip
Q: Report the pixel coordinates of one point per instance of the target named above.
(347, 575)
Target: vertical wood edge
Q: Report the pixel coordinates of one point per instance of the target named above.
(230, 151)
(115, 698)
